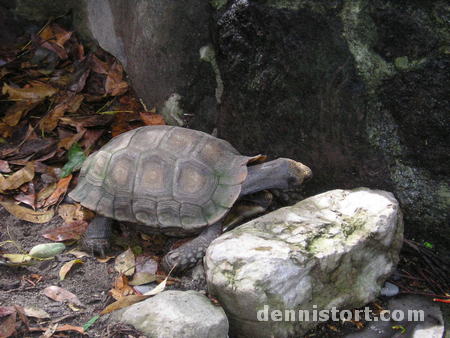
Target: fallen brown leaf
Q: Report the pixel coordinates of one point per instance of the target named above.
(8, 327)
(61, 295)
(99, 66)
(151, 119)
(6, 310)
(4, 167)
(61, 35)
(123, 302)
(61, 189)
(14, 113)
(20, 177)
(5, 130)
(38, 216)
(64, 327)
(114, 85)
(21, 135)
(35, 312)
(45, 193)
(80, 122)
(35, 91)
(121, 288)
(69, 102)
(28, 197)
(140, 278)
(67, 267)
(74, 212)
(72, 231)
(68, 142)
(125, 263)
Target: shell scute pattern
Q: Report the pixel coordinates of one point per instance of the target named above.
(164, 177)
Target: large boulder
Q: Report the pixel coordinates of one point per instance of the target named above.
(355, 89)
(331, 250)
(187, 314)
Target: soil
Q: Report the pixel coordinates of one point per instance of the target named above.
(90, 281)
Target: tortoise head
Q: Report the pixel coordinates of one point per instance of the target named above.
(298, 173)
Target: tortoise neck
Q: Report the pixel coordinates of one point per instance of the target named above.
(270, 175)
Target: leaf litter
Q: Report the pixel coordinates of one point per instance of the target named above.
(59, 102)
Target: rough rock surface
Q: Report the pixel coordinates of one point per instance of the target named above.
(330, 250)
(355, 89)
(187, 314)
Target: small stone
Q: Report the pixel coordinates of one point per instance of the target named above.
(187, 314)
(389, 290)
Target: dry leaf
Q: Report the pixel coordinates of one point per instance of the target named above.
(5, 130)
(64, 327)
(17, 258)
(140, 278)
(28, 198)
(123, 302)
(36, 91)
(78, 253)
(61, 295)
(67, 267)
(114, 85)
(125, 263)
(4, 167)
(24, 175)
(6, 310)
(121, 288)
(158, 288)
(8, 327)
(45, 192)
(104, 259)
(99, 66)
(151, 119)
(38, 216)
(74, 212)
(61, 189)
(72, 231)
(35, 312)
(61, 35)
(14, 113)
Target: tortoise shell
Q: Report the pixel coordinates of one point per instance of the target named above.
(173, 179)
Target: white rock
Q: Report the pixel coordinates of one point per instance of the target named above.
(188, 314)
(331, 250)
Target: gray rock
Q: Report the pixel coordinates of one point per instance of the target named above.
(389, 290)
(331, 250)
(432, 325)
(187, 314)
(317, 81)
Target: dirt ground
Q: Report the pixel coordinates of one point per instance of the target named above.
(90, 281)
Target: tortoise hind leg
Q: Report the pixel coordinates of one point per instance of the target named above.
(97, 238)
(187, 255)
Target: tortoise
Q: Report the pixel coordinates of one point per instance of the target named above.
(176, 181)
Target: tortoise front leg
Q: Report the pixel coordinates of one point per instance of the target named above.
(187, 255)
(98, 235)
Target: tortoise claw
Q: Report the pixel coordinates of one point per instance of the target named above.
(95, 246)
(182, 258)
